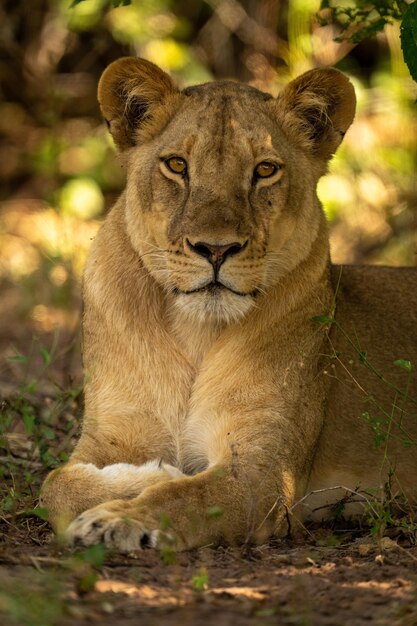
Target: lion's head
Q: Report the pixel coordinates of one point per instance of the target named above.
(221, 178)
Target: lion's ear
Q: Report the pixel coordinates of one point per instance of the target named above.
(127, 92)
(319, 106)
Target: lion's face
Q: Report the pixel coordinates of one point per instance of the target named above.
(209, 204)
(221, 188)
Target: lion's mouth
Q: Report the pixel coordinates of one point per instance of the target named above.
(214, 288)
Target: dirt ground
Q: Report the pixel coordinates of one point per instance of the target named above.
(351, 585)
(334, 576)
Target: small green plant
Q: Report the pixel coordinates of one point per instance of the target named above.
(199, 582)
(389, 511)
(84, 566)
(168, 555)
(30, 420)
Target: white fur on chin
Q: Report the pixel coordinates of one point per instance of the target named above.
(223, 308)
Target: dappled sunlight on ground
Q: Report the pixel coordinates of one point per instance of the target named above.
(282, 584)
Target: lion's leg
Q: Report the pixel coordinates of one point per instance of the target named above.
(185, 513)
(113, 459)
(241, 496)
(256, 444)
(70, 490)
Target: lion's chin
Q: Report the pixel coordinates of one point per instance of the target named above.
(214, 306)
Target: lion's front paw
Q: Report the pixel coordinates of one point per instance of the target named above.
(118, 531)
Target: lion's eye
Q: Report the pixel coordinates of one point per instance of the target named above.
(265, 169)
(176, 165)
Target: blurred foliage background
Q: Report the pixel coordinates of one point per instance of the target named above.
(58, 170)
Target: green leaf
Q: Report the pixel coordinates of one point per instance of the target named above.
(409, 39)
(75, 2)
(87, 583)
(95, 555)
(168, 555)
(48, 433)
(40, 512)
(46, 357)
(369, 30)
(7, 504)
(323, 319)
(215, 512)
(20, 358)
(404, 364)
(379, 439)
(200, 582)
(30, 388)
(28, 421)
(362, 356)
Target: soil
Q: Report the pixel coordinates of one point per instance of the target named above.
(305, 585)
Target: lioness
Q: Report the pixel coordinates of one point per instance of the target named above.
(231, 371)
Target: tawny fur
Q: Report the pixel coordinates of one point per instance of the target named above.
(247, 401)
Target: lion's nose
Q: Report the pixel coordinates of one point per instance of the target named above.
(216, 255)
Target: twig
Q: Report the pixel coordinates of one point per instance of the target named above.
(405, 551)
(352, 491)
(31, 560)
